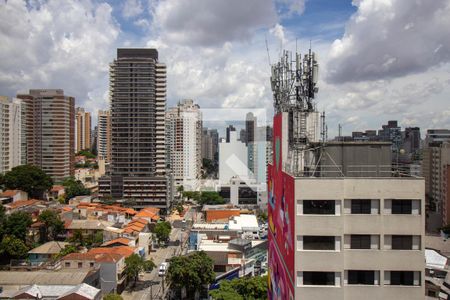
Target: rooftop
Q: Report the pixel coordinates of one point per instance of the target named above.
(52, 247)
(219, 207)
(62, 277)
(54, 291)
(242, 222)
(88, 224)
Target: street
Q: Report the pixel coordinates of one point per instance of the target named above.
(150, 284)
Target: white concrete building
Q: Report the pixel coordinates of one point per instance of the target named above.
(232, 159)
(365, 243)
(104, 135)
(12, 140)
(184, 142)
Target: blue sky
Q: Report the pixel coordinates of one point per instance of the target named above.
(379, 59)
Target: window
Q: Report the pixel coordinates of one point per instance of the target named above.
(402, 278)
(318, 278)
(361, 206)
(360, 241)
(402, 242)
(318, 207)
(361, 277)
(91, 264)
(67, 264)
(80, 265)
(318, 243)
(402, 207)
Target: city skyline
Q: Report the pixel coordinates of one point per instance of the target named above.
(403, 87)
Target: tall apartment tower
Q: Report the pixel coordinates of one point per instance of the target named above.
(4, 134)
(104, 135)
(82, 129)
(138, 100)
(50, 131)
(342, 228)
(184, 143)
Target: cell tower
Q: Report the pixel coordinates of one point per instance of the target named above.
(294, 87)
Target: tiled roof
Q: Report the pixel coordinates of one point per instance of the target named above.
(9, 193)
(51, 247)
(123, 241)
(21, 203)
(123, 250)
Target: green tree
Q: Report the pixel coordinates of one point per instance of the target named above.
(252, 288)
(30, 179)
(53, 223)
(180, 189)
(74, 188)
(162, 231)
(179, 208)
(13, 247)
(67, 250)
(2, 220)
(77, 237)
(113, 296)
(225, 292)
(86, 153)
(16, 224)
(263, 216)
(211, 198)
(135, 264)
(192, 271)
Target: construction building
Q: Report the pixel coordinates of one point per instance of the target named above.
(138, 102)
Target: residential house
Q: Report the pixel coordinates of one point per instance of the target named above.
(46, 252)
(110, 262)
(10, 196)
(55, 192)
(87, 227)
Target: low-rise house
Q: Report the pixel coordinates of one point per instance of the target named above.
(14, 281)
(119, 242)
(45, 252)
(87, 227)
(220, 213)
(60, 292)
(55, 192)
(151, 214)
(9, 196)
(110, 262)
(20, 205)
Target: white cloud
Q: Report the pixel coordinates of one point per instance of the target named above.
(212, 22)
(56, 45)
(391, 38)
(132, 8)
(292, 7)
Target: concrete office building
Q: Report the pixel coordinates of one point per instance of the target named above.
(138, 101)
(50, 131)
(232, 159)
(104, 135)
(437, 136)
(4, 134)
(354, 234)
(436, 160)
(184, 143)
(82, 129)
(207, 145)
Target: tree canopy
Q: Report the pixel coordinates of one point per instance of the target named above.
(192, 271)
(28, 178)
(53, 223)
(16, 224)
(135, 264)
(74, 188)
(252, 288)
(162, 231)
(206, 197)
(13, 247)
(86, 153)
(113, 296)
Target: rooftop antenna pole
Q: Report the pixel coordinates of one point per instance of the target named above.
(267, 48)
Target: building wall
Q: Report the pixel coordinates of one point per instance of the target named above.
(216, 215)
(232, 159)
(383, 223)
(4, 134)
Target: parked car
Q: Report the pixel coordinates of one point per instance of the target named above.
(163, 269)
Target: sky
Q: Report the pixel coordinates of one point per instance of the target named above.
(379, 60)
